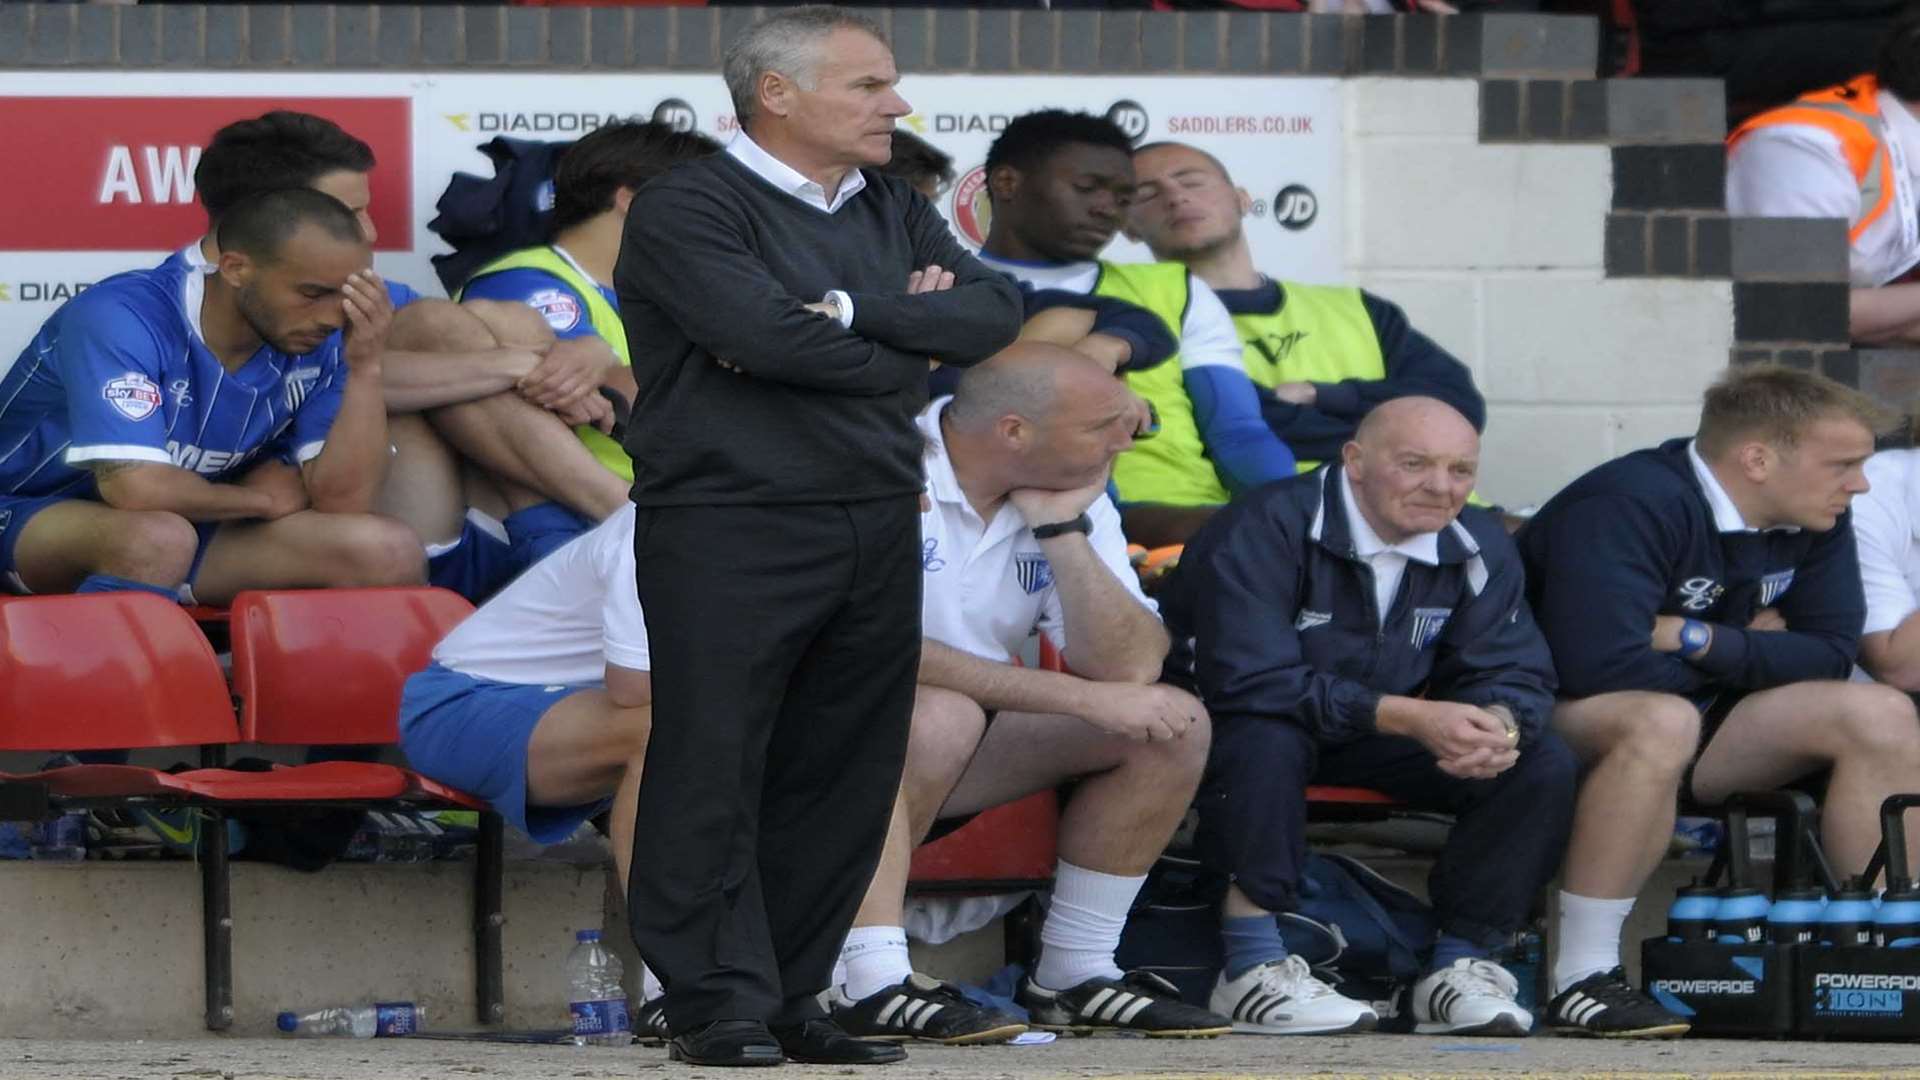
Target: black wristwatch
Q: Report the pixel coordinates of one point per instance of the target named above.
(1082, 524)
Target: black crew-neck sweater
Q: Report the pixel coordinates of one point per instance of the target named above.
(715, 265)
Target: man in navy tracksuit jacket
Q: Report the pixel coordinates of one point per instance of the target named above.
(1356, 626)
(1703, 600)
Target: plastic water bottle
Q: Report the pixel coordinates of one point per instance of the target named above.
(1848, 919)
(1794, 918)
(595, 996)
(1690, 917)
(1896, 923)
(59, 839)
(381, 1020)
(1740, 918)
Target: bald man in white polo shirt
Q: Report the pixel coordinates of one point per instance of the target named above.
(1020, 538)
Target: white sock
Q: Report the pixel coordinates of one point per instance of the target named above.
(1589, 937)
(1083, 926)
(876, 958)
(650, 987)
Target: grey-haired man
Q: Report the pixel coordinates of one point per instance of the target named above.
(781, 305)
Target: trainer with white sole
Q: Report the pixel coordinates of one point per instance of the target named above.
(1358, 625)
(1019, 535)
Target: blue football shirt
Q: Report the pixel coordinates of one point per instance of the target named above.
(121, 373)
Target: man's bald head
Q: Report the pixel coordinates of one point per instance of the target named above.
(1040, 416)
(1027, 379)
(1395, 416)
(1412, 464)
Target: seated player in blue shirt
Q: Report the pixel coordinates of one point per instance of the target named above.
(132, 426)
(480, 394)
(1703, 603)
(567, 281)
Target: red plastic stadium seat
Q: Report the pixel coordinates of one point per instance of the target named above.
(128, 671)
(332, 781)
(107, 671)
(1006, 846)
(325, 666)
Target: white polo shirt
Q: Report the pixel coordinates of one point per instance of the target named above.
(1798, 170)
(986, 585)
(1885, 521)
(563, 621)
(1389, 561)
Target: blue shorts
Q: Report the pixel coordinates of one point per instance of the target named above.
(476, 566)
(472, 734)
(491, 554)
(17, 510)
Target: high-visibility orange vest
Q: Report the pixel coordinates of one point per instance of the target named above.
(1851, 111)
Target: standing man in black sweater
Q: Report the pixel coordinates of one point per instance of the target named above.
(781, 305)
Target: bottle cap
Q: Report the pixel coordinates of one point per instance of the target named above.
(587, 935)
(287, 1021)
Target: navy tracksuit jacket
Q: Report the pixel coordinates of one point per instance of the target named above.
(1636, 537)
(1277, 628)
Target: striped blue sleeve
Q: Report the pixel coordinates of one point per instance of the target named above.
(109, 360)
(564, 309)
(315, 401)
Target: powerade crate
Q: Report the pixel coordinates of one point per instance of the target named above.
(1857, 993)
(1870, 992)
(1725, 990)
(1721, 972)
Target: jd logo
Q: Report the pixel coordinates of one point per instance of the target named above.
(1129, 117)
(676, 114)
(1295, 207)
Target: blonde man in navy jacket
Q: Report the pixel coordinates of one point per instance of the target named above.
(1703, 603)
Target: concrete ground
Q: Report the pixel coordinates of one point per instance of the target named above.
(1237, 1057)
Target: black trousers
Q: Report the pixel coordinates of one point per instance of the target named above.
(1507, 840)
(785, 642)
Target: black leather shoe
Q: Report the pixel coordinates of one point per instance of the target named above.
(727, 1042)
(821, 1042)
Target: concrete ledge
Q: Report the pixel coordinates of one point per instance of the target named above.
(383, 36)
(103, 949)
